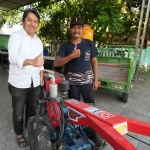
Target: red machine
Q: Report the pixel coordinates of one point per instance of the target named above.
(58, 78)
(110, 127)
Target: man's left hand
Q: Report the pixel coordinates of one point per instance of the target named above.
(41, 81)
(95, 85)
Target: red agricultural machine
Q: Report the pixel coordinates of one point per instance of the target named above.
(74, 125)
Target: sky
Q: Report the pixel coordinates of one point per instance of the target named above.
(7, 30)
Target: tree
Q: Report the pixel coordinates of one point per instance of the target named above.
(105, 17)
(109, 18)
(2, 21)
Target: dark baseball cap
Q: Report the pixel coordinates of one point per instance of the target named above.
(75, 21)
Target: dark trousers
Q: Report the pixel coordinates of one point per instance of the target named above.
(86, 90)
(23, 99)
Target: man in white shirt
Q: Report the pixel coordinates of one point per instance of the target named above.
(25, 71)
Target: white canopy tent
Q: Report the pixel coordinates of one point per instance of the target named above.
(7, 5)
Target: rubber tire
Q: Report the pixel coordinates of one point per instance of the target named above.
(125, 97)
(39, 137)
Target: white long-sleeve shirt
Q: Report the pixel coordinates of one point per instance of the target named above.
(20, 47)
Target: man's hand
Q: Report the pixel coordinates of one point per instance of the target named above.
(95, 85)
(60, 61)
(76, 52)
(42, 81)
(38, 61)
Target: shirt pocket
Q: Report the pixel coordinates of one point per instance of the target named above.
(87, 55)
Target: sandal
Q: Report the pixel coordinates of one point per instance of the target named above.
(21, 141)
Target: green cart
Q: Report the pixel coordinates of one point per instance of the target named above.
(116, 67)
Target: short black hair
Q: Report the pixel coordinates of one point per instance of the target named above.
(29, 10)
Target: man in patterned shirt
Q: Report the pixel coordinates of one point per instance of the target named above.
(79, 56)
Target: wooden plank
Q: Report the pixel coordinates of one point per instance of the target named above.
(113, 73)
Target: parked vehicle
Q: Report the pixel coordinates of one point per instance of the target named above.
(117, 65)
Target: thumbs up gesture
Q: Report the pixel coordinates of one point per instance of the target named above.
(38, 61)
(76, 52)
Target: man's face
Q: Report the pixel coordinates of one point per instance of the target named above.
(76, 31)
(30, 24)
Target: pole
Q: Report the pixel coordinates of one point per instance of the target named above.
(140, 22)
(143, 37)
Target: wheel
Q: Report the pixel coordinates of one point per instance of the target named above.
(39, 136)
(125, 97)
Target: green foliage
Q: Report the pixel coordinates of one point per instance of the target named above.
(105, 17)
(2, 23)
(109, 18)
(135, 3)
(12, 17)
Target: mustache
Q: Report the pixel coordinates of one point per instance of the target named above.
(76, 32)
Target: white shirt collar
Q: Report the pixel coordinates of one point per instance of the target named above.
(25, 33)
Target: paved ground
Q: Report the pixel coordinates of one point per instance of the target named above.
(138, 106)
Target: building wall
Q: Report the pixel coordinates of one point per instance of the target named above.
(145, 57)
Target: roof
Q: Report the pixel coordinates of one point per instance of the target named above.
(8, 5)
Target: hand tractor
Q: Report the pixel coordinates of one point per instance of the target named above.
(74, 125)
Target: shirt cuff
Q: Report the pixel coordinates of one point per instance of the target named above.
(41, 68)
(20, 62)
